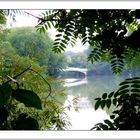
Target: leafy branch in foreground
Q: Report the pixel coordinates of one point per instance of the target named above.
(127, 102)
(105, 30)
(31, 111)
(27, 97)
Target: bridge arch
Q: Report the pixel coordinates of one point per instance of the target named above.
(78, 70)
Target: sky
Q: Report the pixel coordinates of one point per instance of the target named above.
(26, 20)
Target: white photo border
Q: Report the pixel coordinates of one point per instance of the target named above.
(67, 135)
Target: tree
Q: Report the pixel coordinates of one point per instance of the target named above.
(27, 42)
(77, 59)
(127, 102)
(106, 32)
(4, 13)
(10, 91)
(28, 88)
(27, 96)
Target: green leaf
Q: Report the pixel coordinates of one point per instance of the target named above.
(128, 79)
(66, 38)
(93, 128)
(61, 48)
(60, 30)
(135, 90)
(29, 98)
(84, 40)
(135, 85)
(124, 87)
(112, 117)
(125, 82)
(116, 112)
(42, 29)
(138, 78)
(97, 104)
(98, 124)
(62, 45)
(5, 93)
(104, 96)
(70, 30)
(46, 27)
(69, 34)
(58, 35)
(116, 94)
(124, 91)
(49, 25)
(111, 94)
(104, 127)
(136, 82)
(108, 103)
(96, 57)
(64, 41)
(103, 102)
(115, 101)
(97, 99)
(56, 41)
(109, 123)
(98, 128)
(56, 49)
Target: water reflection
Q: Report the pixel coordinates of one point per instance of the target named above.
(86, 117)
(87, 89)
(75, 82)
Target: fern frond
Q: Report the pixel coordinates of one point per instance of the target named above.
(95, 55)
(117, 64)
(64, 37)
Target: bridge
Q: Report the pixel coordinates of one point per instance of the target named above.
(79, 70)
(79, 76)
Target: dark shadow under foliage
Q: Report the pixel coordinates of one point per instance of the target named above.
(8, 96)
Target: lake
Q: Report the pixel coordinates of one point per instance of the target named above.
(86, 90)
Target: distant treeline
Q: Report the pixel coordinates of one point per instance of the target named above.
(97, 68)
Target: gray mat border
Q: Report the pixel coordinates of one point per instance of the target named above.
(74, 0)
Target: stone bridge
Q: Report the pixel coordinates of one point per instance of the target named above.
(79, 70)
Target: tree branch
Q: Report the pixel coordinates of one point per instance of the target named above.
(53, 19)
(50, 89)
(11, 78)
(32, 15)
(63, 19)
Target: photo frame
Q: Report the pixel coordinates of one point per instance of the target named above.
(68, 135)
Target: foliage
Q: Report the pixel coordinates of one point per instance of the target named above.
(7, 95)
(105, 30)
(23, 92)
(27, 97)
(77, 59)
(127, 102)
(4, 14)
(2, 17)
(113, 35)
(27, 42)
(27, 77)
(107, 33)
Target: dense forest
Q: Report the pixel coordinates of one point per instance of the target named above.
(31, 62)
(26, 55)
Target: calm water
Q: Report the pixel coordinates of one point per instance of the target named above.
(87, 90)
